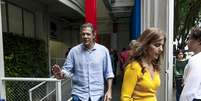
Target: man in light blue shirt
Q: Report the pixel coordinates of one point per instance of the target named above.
(88, 65)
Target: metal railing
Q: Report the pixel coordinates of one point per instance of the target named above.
(36, 89)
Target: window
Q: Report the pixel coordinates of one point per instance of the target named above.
(28, 24)
(18, 20)
(15, 19)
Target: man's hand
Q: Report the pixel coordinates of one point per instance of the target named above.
(56, 70)
(108, 96)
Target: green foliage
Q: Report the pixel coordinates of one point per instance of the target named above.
(24, 57)
(186, 15)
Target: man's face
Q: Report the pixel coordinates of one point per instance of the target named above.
(87, 36)
(193, 44)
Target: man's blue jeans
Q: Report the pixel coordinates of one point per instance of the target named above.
(76, 98)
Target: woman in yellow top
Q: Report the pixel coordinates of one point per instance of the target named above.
(141, 78)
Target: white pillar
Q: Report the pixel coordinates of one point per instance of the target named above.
(58, 91)
(145, 14)
(169, 50)
(160, 14)
(156, 12)
(2, 74)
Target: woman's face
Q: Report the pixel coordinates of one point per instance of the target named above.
(155, 49)
(180, 55)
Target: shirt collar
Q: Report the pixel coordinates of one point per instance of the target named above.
(92, 49)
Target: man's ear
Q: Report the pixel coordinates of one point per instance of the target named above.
(94, 33)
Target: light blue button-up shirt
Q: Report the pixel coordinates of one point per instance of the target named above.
(88, 68)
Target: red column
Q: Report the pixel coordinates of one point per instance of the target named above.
(90, 14)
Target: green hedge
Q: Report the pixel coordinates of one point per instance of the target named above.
(24, 57)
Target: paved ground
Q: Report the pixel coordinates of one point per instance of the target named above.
(174, 95)
(116, 89)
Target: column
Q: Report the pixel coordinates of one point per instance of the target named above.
(2, 73)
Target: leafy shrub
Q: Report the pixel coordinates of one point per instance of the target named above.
(24, 57)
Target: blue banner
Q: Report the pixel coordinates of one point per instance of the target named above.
(136, 20)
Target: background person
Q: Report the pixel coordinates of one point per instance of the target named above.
(125, 55)
(114, 60)
(178, 72)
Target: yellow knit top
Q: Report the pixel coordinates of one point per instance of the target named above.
(138, 86)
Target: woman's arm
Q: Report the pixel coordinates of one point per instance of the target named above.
(129, 82)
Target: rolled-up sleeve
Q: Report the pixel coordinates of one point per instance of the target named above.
(108, 72)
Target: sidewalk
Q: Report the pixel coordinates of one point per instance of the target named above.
(116, 89)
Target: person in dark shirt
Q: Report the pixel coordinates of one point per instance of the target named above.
(178, 72)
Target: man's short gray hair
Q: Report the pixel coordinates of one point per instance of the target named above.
(85, 25)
